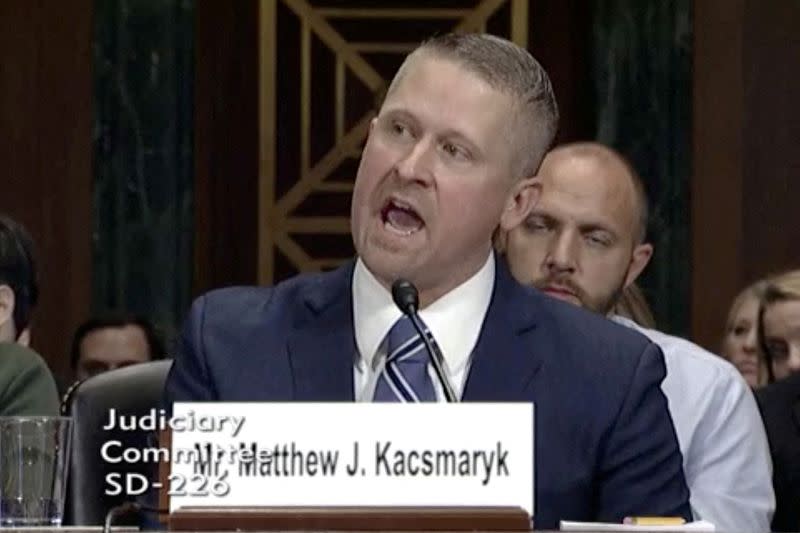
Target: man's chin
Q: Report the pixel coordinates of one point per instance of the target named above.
(389, 265)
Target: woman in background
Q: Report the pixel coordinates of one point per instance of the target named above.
(740, 344)
(779, 338)
(779, 325)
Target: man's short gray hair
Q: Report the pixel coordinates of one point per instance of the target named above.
(511, 69)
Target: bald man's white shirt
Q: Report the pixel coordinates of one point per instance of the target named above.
(726, 457)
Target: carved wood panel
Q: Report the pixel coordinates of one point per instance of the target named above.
(324, 66)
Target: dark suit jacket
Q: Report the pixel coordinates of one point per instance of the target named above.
(780, 407)
(605, 446)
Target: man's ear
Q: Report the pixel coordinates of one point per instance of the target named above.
(7, 302)
(521, 199)
(639, 259)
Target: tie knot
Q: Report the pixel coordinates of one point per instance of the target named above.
(404, 344)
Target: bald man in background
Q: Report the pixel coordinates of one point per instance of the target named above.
(583, 243)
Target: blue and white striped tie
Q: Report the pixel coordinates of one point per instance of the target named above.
(405, 377)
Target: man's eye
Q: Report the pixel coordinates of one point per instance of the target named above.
(598, 239)
(399, 129)
(535, 224)
(454, 151)
(94, 368)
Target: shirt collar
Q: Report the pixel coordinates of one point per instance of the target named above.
(625, 321)
(455, 319)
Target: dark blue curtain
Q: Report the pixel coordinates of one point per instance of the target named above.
(642, 69)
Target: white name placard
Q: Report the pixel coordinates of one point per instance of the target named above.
(352, 454)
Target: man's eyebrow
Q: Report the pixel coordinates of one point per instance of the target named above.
(543, 216)
(451, 132)
(398, 112)
(595, 226)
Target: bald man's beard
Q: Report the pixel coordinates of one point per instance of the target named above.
(602, 303)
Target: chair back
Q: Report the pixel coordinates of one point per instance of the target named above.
(131, 391)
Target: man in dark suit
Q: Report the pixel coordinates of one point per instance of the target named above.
(780, 407)
(449, 158)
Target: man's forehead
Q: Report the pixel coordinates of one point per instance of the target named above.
(446, 95)
(432, 73)
(116, 334)
(582, 186)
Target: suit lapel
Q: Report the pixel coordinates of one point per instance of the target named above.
(505, 361)
(321, 345)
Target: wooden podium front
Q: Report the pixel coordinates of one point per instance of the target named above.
(350, 519)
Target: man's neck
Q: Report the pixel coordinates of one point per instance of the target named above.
(8, 333)
(428, 296)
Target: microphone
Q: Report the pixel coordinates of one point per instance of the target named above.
(406, 297)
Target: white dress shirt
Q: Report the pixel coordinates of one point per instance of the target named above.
(455, 321)
(720, 433)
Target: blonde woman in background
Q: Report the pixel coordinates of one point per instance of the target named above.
(740, 344)
(779, 339)
(779, 324)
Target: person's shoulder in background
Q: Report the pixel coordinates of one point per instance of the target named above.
(780, 394)
(780, 406)
(27, 387)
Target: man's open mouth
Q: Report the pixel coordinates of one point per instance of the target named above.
(401, 217)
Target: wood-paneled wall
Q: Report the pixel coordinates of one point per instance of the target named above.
(46, 155)
(746, 175)
(226, 144)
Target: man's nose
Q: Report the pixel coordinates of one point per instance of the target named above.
(415, 163)
(561, 256)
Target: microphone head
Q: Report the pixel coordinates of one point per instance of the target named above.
(405, 296)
